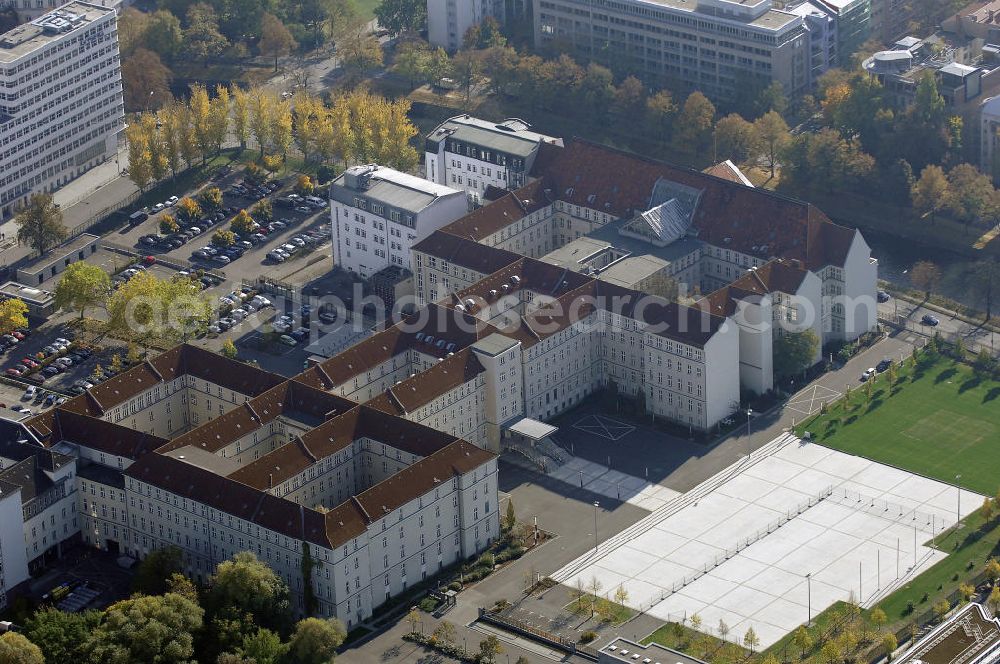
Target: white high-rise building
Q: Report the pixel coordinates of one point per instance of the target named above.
(378, 213)
(61, 108)
(449, 20)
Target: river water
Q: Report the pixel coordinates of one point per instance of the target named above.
(896, 257)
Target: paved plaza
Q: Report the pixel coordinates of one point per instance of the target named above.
(738, 547)
(614, 484)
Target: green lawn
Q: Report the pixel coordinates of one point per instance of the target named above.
(366, 8)
(940, 421)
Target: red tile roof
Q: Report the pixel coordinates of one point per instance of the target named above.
(729, 215)
(412, 393)
(511, 207)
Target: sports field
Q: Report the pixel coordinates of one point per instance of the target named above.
(940, 421)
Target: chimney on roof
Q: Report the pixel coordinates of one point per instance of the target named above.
(270, 480)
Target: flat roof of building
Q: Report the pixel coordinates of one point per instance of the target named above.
(624, 650)
(512, 136)
(57, 254)
(56, 24)
(26, 293)
(392, 188)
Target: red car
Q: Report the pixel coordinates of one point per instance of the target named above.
(149, 260)
(12, 372)
(30, 362)
(17, 334)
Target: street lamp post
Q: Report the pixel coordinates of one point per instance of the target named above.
(809, 594)
(749, 412)
(596, 505)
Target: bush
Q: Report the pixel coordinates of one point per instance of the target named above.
(428, 604)
(455, 585)
(588, 636)
(325, 173)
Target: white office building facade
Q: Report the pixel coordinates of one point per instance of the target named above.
(61, 108)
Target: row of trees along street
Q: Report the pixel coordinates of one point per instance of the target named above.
(356, 126)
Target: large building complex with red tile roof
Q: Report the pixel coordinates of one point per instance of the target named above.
(214, 456)
(595, 224)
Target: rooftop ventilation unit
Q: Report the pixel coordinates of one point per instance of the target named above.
(470, 303)
(493, 293)
(429, 339)
(440, 343)
(420, 336)
(515, 280)
(451, 347)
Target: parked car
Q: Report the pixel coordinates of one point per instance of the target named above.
(29, 393)
(883, 296)
(868, 374)
(883, 365)
(49, 400)
(928, 319)
(287, 340)
(225, 260)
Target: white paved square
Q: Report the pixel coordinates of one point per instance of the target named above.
(738, 547)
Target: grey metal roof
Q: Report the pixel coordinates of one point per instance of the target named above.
(496, 140)
(393, 189)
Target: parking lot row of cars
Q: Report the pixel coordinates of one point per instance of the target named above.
(313, 237)
(236, 307)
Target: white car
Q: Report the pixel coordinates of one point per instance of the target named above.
(29, 394)
(868, 374)
(261, 301)
(297, 241)
(158, 207)
(288, 248)
(172, 201)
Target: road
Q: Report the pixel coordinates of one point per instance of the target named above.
(909, 314)
(317, 73)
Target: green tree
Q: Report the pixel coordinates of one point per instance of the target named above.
(925, 276)
(994, 599)
(889, 644)
(17, 649)
(304, 186)
(489, 648)
(930, 193)
(146, 308)
(511, 517)
(832, 652)
(941, 609)
(630, 99)
(970, 193)
(263, 211)
(147, 82)
(751, 640)
(202, 38)
(61, 635)
(986, 275)
(794, 352)
(399, 16)
(660, 110)
(152, 572)
(163, 34)
(243, 223)
(802, 640)
(82, 285)
(445, 633)
(315, 641)
(735, 139)
(223, 238)
(246, 584)
(13, 315)
(230, 350)
(275, 39)
(168, 224)
(693, 125)
(597, 90)
(188, 209)
(40, 224)
(156, 629)
(211, 199)
(263, 647)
